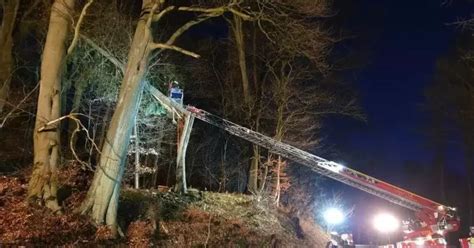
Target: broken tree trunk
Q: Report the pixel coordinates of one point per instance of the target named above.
(42, 186)
(10, 10)
(181, 157)
(183, 138)
(102, 198)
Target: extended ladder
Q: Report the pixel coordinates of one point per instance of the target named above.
(318, 164)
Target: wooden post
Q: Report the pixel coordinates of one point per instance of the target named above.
(185, 134)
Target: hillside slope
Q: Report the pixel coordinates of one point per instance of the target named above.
(157, 219)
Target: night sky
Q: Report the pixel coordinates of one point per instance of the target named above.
(402, 40)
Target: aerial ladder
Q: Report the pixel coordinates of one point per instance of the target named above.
(433, 220)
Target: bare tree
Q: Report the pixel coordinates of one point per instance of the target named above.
(10, 10)
(43, 182)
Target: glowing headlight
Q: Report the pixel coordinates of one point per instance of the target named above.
(386, 223)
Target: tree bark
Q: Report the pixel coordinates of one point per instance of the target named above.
(103, 128)
(10, 10)
(43, 182)
(181, 157)
(76, 104)
(252, 184)
(137, 154)
(281, 90)
(240, 43)
(237, 28)
(278, 181)
(102, 199)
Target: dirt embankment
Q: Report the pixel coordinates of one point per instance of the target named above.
(156, 219)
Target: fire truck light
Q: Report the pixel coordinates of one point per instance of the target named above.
(333, 216)
(386, 223)
(338, 168)
(419, 241)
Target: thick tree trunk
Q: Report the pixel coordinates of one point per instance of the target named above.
(10, 10)
(102, 199)
(237, 28)
(42, 185)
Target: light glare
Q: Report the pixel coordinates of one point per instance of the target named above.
(386, 223)
(333, 216)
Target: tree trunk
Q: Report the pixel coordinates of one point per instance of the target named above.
(42, 185)
(282, 101)
(137, 155)
(102, 199)
(103, 128)
(76, 104)
(278, 181)
(10, 10)
(240, 43)
(237, 28)
(181, 157)
(252, 185)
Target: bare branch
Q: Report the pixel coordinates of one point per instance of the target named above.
(175, 48)
(217, 11)
(185, 27)
(104, 53)
(78, 27)
(158, 17)
(17, 106)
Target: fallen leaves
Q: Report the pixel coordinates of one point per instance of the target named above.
(21, 223)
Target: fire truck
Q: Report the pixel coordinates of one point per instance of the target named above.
(432, 220)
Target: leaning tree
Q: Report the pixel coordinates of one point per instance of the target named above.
(102, 199)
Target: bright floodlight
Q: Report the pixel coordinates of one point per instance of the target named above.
(333, 216)
(386, 223)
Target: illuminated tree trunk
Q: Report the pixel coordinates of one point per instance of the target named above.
(10, 10)
(102, 199)
(181, 157)
(42, 185)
